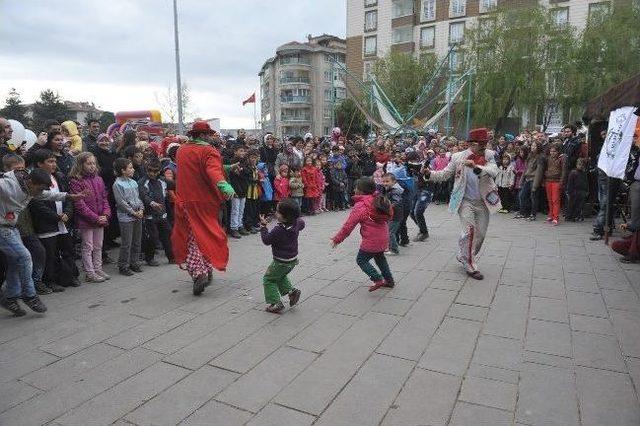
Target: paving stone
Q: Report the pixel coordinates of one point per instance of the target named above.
(109, 406)
(468, 312)
(342, 289)
(621, 300)
(548, 271)
(466, 414)
(581, 282)
(412, 285)
(478, 293)
(591, 324)
(217, 413)
(11, 369)
(333, 369)
(627, 328)
(548, 309)
(490, 393)
(493, 373)
(549, 338)
(15, 392)
(498, 352)
(543, 287)
(47, 406)
(615, 280)
(634, 370)
(68, 368)
(391, 306)
(277, 415)
(597, 351)
(248, 353)
(148, 330)
(365, 399)
(448, 283)
(180, 400)
(410, 337)
(586, 304)
(359, 302)
(213, 344)
(198, 327)
(92, 335)
(547, 359)
(256, 388)
(516, 276)
(450, 349)
(606, 397)
(427, 397)
(507, 314)
(547, 395)
(322, 333)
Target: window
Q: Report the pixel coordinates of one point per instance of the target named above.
(456, 33)
(328, 95)
(598, 11)
(401, 8)
(487, 5)
(328, 111)
(457, 8)
(456, 60)
(371, 20)
(560, 15)
(341, 93)
(402, 34)
(427, 37)
(368, 70)
(370, 45)
(327, 76)
(368, 3)
(428, 10)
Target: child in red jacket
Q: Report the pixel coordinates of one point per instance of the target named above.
(281, 183)
(372, 212)
(312, 190)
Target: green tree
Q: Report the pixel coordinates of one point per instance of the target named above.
(521, 58)
(402, 77)
(608, 52)
(14, 109)
(350, 120)
(49, 106)
(106, 119)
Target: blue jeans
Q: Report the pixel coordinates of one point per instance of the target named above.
(38, 256)
(364, 262)
(422, 198)
(603, 194)
(393, 238)
(19, 265)
(237, 213)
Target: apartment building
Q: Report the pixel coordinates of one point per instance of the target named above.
(301, 85)
(375, 27)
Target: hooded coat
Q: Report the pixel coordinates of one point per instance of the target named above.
(374, 225)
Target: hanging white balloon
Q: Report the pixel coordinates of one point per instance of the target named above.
(18, 133)
(30, 137)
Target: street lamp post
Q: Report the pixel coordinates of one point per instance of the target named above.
(178, 82)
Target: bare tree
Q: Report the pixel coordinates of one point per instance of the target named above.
(168, 103)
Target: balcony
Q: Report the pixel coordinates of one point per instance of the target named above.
(295, 80)
(294, 119)
(295, 61)
(295, 99)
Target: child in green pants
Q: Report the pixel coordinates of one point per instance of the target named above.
(283, 239)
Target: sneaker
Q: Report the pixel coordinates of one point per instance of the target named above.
(531, 218)
(596, 237)
(549, 220)
(35, 304)
(503, 211)
(125, 271)
(554, 222)
(294, 296)
(243, 232)
(199, 283)
(75, 282)
(275, 308)
(209, 278)
(13, 306)
(106, 260)
(628, 260)
(103, 275)
(235, 234)
(135, 268)
(153, 262)
(94, 278)
(41, 288)
(376, 285)
(389, 284)
(519, 216)
(421, 237)
(56, 288)
(254, 230)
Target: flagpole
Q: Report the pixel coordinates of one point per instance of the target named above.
(255, 120)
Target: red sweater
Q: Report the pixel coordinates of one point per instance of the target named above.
(374, 226)
(281, 188)
(310, 180)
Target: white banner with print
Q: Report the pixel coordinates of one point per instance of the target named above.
(615, 150)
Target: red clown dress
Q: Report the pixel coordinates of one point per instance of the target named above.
(198, 239)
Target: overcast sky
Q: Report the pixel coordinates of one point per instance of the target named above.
(119, 54)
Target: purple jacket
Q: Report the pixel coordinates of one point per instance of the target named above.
(283, 239)
(96, 204)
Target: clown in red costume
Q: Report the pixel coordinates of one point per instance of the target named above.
(199, 242)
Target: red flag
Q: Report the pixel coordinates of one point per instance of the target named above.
(250, 100)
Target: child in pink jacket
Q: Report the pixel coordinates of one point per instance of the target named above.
(281, 183)
(372, 212)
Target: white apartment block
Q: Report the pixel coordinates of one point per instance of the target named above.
(374, 27)
(301, 85)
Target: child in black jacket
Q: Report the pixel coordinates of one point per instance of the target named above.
(153, 193)
(577, 189)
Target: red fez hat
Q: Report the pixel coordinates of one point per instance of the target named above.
(199, 128)
(479, 135)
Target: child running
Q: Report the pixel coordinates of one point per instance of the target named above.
(283, 239)
(373, 212)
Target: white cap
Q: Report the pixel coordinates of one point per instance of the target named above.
(308, 136)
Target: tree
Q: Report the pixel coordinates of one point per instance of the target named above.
(168, 102)
(520, 57)
(350, 120)
(14, 109)
(402, 77)
(106, 119)
(49, 106)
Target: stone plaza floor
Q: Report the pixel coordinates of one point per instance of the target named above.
(551, 336)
